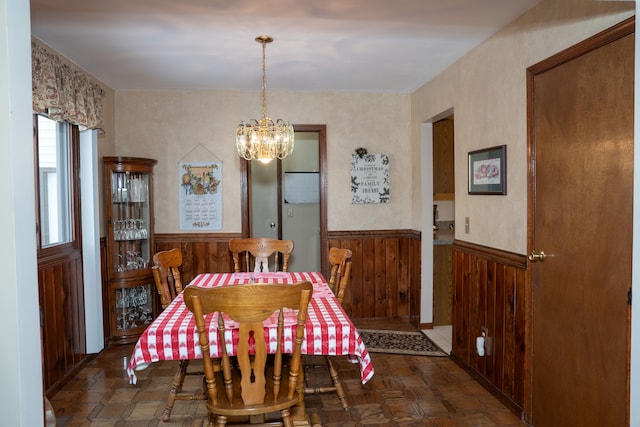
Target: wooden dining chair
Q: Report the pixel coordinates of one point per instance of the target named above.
(256, 252)
(256, 387)
(166, 275)
(340, 261)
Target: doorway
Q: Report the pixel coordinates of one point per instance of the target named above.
(580, 222)
(286, 199)
(438, 194)
(443, 220)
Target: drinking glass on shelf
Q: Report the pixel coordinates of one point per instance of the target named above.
(118, 188)
(129, 229)
(144, 233)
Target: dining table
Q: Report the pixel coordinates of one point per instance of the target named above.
(328, 330)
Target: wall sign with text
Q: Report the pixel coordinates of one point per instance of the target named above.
(370, 178)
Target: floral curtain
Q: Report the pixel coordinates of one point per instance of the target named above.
(63, 93)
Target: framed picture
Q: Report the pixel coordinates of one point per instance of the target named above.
(488, 171)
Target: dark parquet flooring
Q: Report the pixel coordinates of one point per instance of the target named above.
(405, 391)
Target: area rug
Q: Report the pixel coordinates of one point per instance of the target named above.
(399, 342)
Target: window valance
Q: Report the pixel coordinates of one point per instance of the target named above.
(64, 93)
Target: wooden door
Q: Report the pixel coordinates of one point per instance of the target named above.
(60, 274)
(581, 148)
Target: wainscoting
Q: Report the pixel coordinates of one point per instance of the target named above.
(201, 252)
(489, 297)
(385, 278)
(62, 321)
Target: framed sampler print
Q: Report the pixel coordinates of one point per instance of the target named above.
(488, 171)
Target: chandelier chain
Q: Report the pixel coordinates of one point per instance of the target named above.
(264, 78)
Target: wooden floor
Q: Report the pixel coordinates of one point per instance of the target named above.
(405, 391)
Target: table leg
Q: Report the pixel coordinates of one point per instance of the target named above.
(176, 387)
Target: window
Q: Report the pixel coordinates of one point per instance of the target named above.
(54, 148)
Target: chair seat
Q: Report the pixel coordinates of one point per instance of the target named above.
(237, 406)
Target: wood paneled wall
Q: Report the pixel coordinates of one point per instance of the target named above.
(489, 295)
(201, 252)
(385, 278)
(385, 274)
(61, 293)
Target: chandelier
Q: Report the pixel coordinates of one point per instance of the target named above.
(264, 139)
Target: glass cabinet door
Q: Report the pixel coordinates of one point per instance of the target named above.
(130, 221)
(133, 307)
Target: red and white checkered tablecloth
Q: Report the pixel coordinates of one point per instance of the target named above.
(329, 331)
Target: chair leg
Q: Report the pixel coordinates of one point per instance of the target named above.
(176, 387)
(337, 384)
(220, 421)
(287, 420)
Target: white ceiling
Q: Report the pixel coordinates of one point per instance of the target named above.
(320, 45)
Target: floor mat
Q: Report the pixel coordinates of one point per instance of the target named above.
(399, 342)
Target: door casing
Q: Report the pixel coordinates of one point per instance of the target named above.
(245, 202)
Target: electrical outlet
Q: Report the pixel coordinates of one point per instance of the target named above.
(467, 228)
(480, 346)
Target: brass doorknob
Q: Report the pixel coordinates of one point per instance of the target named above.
(537, 256)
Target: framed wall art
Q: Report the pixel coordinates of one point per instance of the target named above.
(488, 171)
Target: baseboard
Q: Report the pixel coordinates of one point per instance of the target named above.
(510, 404)
(55, 387)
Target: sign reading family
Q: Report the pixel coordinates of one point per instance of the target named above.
(201, 196)
(370, 178)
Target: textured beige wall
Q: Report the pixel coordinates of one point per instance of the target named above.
(171, 126)
(487, 91)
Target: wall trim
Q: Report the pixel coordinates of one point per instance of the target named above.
(336, 235)
(195, 237)
(491, 254)
(374, 234)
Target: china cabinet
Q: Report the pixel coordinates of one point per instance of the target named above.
(131, 292)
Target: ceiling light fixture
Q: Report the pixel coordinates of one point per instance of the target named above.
(264, 140)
